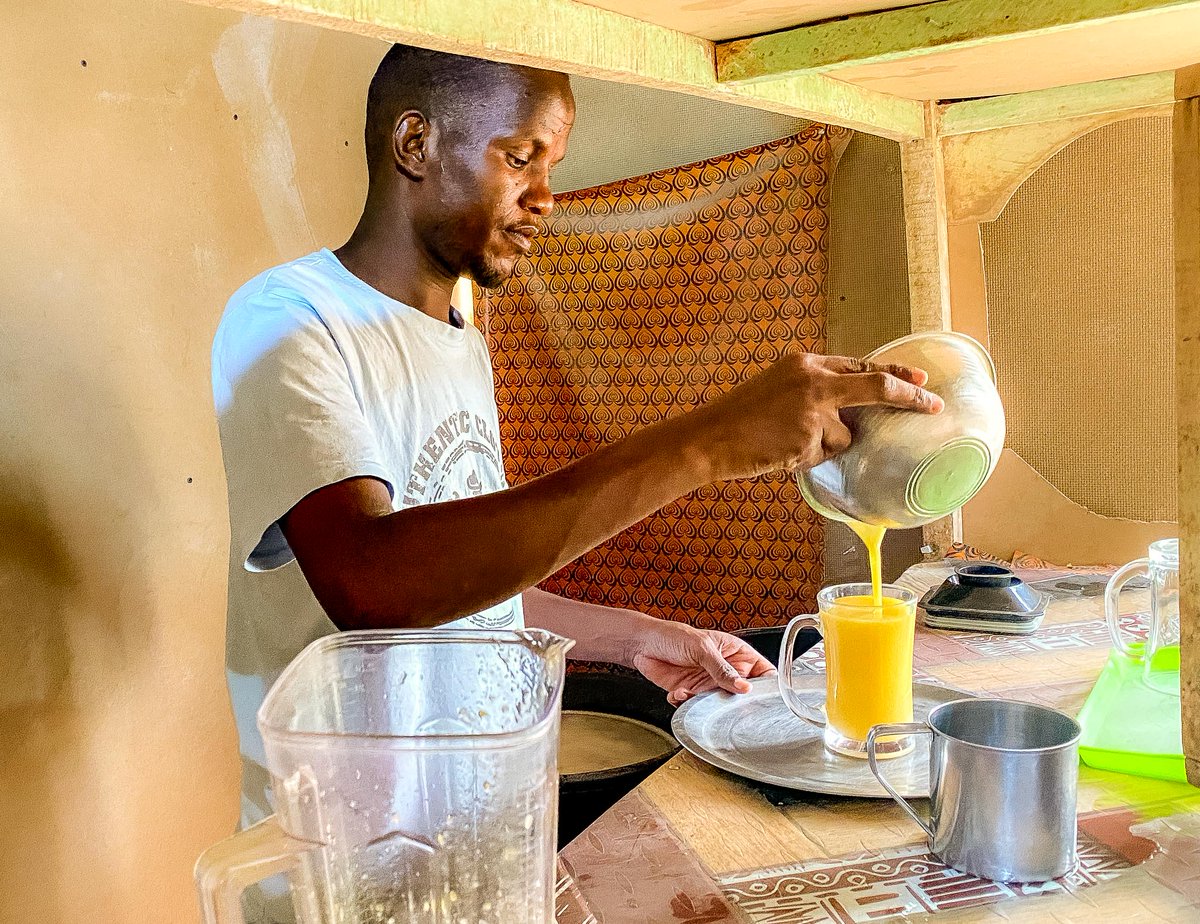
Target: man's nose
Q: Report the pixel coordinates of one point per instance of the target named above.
(538, 199)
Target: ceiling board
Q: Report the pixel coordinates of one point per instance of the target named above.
(1166, 40)
(720, 20)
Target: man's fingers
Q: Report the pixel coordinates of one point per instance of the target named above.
(721, 671)
(835, 438)
(849, 365)
(907, 373)
(884, 388)
(680, 696)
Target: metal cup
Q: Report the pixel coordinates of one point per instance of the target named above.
(1002, 782)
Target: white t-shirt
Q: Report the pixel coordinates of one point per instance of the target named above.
(317, 377)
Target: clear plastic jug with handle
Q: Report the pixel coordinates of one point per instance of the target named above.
(415, 780)
(1159, 652)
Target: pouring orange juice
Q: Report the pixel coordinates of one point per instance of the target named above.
(902, 469)
(868, 639)
(872, 538)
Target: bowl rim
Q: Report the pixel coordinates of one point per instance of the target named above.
(952, 334)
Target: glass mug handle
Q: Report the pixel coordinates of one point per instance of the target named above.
(810, 714)
(1112, 610)
(897, 728)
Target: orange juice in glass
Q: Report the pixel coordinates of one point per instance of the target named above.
(868, 666)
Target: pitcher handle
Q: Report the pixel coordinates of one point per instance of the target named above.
(897, 728)
(227, 869)
(1112, 610)
(786, 690)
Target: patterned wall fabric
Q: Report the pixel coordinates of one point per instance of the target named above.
(645, 298)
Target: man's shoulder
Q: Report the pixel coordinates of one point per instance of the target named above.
(284, 304)
(300, 280)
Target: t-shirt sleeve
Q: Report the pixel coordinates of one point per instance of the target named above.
(289, 417)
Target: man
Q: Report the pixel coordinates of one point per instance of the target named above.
(359, 426)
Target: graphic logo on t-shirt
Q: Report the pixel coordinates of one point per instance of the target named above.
(461, 458)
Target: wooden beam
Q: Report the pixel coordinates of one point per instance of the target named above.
(914, 31)
(924, 180)
(1186, 187)
(927, 235)
(580, 39)
(890, 116)
(1153, 92)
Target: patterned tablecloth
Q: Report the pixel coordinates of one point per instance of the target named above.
(695, 845)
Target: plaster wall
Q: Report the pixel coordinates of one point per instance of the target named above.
(157, 155)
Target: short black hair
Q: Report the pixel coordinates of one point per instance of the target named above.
(437, 84)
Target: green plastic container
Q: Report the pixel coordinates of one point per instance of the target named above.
(1130, 726)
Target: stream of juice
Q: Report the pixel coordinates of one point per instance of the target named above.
(872, 538)
(868, 651)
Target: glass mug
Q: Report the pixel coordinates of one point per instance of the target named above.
(1159, 653)
(868, 667)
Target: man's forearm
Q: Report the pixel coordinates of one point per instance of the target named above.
(372, 567)
(601, 633)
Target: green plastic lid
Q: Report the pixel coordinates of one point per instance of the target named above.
(947, 478)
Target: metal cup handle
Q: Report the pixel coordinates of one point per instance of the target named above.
(897, 728)
(810, 714)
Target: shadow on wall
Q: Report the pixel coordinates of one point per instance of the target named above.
(37, 580)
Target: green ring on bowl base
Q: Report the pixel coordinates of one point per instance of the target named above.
(948, 477)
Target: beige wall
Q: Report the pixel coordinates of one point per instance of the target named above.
(133, 204)
(1081, 314)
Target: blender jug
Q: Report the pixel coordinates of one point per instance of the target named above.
(1159, 653)
(415, 780)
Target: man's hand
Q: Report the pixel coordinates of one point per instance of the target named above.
(685, 661)
(788, 416)
(682, 660)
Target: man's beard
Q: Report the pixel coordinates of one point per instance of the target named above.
(488, 273)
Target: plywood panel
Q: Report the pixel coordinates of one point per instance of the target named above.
(1121, 48)
(1019, 510)
(1081, 307)
(726, 19)
(1102, 98)
(578, 39)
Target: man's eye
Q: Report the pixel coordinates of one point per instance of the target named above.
(516, 162)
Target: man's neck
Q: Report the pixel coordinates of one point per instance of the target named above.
(394, 265)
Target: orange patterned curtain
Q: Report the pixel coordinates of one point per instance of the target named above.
(645, 298)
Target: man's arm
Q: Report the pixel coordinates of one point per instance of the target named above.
(681, 659)
(601, 633)
(372, 567)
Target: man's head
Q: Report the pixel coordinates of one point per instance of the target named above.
(464, 148)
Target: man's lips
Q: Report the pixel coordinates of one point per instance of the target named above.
(522, 236)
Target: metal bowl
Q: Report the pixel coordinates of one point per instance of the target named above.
(903, 468)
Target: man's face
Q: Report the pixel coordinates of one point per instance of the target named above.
(487, 192)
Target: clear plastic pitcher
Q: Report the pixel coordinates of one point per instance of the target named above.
(1159, 653)
(415, 781)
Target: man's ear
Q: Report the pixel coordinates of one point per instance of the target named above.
(410, 144)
